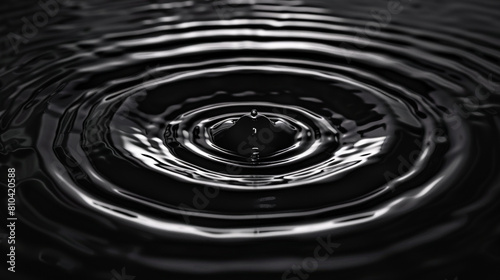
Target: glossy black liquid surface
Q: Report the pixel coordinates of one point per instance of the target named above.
(228, 140)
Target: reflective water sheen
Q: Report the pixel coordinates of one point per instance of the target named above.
(228, 140)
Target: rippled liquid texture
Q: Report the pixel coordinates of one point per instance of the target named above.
(230, 139)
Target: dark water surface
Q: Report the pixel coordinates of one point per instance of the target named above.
(251, 139)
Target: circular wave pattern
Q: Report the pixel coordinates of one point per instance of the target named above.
(275, 121)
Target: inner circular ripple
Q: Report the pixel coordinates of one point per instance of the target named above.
(254, 135)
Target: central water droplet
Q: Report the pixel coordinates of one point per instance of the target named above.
(254, 135)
